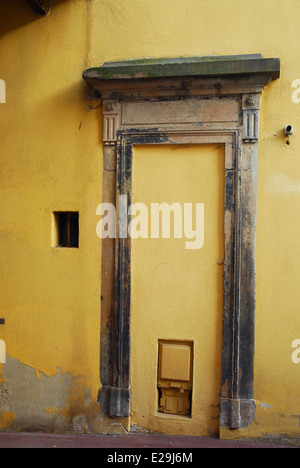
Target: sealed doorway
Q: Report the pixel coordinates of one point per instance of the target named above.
(177, 285)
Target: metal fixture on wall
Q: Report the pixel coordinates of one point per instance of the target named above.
(42, 7)
(288, 130)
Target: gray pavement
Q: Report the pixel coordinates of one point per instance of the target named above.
(130, 441)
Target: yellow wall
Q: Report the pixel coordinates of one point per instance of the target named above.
(51, 160)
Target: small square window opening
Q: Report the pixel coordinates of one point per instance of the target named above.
(65, 229)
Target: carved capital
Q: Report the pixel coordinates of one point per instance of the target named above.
(109, 107)
(250, 106)
(110, 122)
(250, 126)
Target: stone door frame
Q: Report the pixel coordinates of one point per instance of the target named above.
(219, 105)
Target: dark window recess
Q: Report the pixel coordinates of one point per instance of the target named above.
(67, 224)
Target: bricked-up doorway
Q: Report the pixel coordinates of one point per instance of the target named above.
(210, 100)
(177, 289)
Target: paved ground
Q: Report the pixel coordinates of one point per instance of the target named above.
(131, 441)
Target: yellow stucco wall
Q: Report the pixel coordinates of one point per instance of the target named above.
(51, 160)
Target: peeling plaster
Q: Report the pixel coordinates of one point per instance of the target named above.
(280, 184)
(32, 401)
(29, 400)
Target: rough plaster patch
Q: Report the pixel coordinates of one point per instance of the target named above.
(38, 402)
(280, 184)
(136, 429)
(31, 401)
(80, 425)
(264, 405)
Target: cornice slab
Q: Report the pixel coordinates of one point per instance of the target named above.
(182, 76)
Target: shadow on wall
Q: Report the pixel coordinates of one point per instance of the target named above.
(17, 13)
